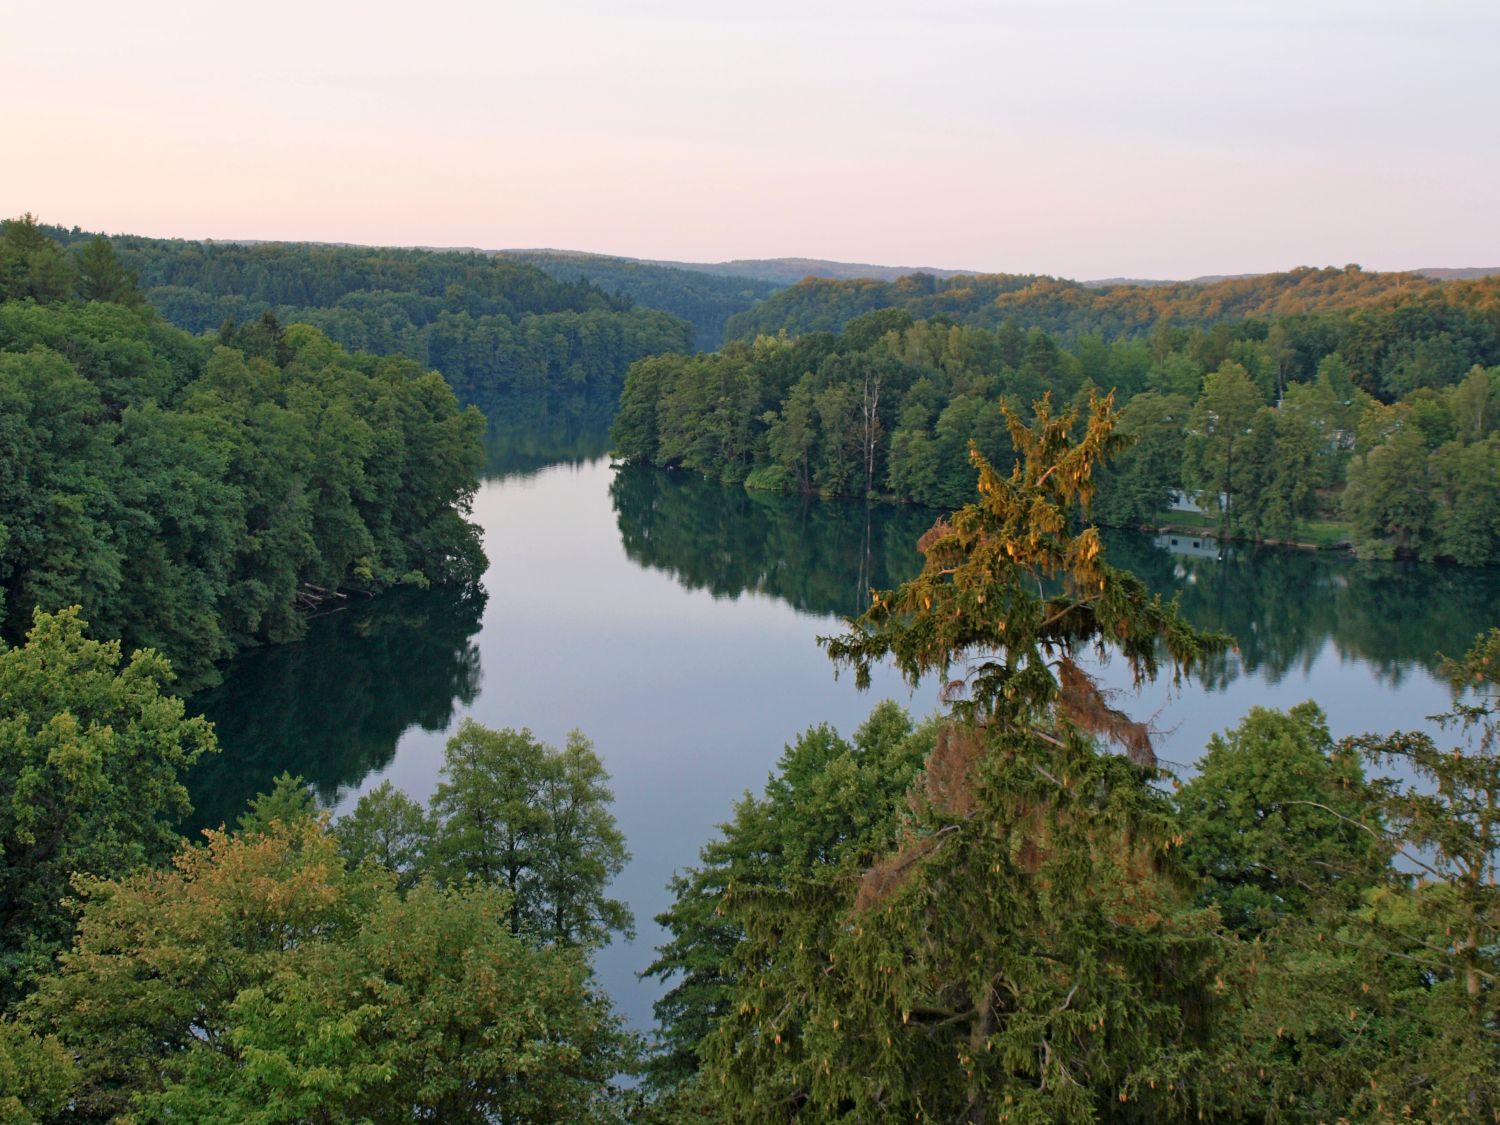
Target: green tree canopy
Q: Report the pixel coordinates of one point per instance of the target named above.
(1219, 427)
(193, 498)
(92, 750)
(32, 266)
(515, 813)
(388, 828)
(831, 806)
(103, 277)
(1276, 821)
(262, 979)
(1441, 813)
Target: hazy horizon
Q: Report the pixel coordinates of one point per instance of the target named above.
(1079, 139)
(651, 260)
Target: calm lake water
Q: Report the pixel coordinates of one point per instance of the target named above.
(674, 622)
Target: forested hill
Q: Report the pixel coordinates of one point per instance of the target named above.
(500, 331)
(704, 299)
(1070, 309)
(706, 294)
(789, 271)
(190, 493)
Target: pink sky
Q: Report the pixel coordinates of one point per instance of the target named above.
(1079, 137)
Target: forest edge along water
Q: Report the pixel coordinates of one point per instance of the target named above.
(673, 621)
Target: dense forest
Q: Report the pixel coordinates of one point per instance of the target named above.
(705, 300)
(505, 335)
(789, 271)
(195, 494)
(1072, 309)
(1379, 425)
(1001, 914)
(405, 962)
(1008, 911)
(184, 496)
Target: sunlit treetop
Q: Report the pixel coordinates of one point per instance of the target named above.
(1011, 591)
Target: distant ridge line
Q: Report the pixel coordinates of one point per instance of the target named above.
(786, 271)
(789, 271)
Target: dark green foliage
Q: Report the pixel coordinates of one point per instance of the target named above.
(1018, 938)
(1219, 426)
(831, 806)
(561, 364)
(1136, 488)
(1425, 476)
(32, 266)
(1020, 958)
(512, 813)
(289, 801)
(102, 277)
(704, 300)
(693, 411)
(390, 829)
(1385, 1008)
(1442, 815)
(890, 405)
(91, 756)
(1389, 502)
(887, 407)
(1015, 946)
(1277, 823)
(1466, 519)
(1270, 420)
(505, 335)
(188, 496)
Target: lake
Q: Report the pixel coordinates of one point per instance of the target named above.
(674, 621)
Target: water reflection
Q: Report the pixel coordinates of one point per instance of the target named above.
(600, 617)
(521, 442)
(331, 706)
(1283, 607)
(820, 556)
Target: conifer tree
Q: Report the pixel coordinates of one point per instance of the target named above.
(1443, 922)
(103, 277)
(982, 596)
(1024, 952)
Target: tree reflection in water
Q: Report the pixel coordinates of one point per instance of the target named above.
(1283, 607)
(332, 706)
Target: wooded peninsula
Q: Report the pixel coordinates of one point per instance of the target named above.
(1319, 406)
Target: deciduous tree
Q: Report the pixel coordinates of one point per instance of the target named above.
(263, 979)
(1220, 423)
(515, 813)
(92, 751)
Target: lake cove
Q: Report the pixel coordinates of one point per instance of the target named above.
(674, 621)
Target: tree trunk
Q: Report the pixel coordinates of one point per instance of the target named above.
(983, 1027)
